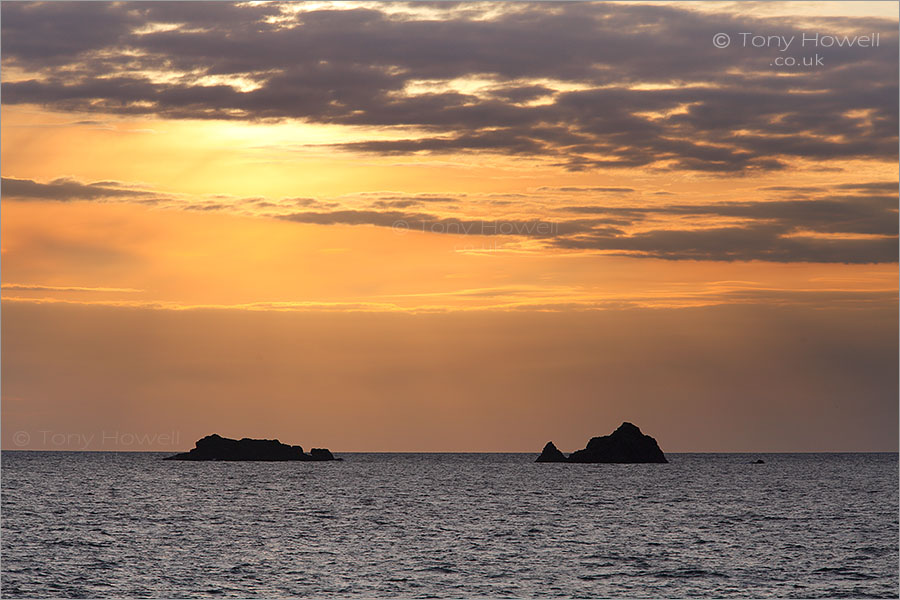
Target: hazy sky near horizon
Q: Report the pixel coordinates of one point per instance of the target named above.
(450, 226)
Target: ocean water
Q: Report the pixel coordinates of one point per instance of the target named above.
(449, 525)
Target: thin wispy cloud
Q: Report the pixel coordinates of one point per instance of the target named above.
(841, 223)
(29, 287)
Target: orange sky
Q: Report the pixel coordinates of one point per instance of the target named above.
(310, 232)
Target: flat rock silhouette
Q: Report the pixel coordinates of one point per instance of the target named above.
(216, 447)
(624, 445)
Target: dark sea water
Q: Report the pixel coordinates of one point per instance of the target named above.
(449, 525)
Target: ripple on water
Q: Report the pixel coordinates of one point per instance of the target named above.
(126, 525)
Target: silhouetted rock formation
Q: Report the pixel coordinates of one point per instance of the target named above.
(551, 454)
(624, 445)
(758, 461)
(321, 454)
(215, 447)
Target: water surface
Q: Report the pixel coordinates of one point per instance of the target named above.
(99, 524)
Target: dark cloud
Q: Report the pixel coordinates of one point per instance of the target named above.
(875, 186)
(868, 215)
(832, 228)
(744, 243)
(409, 202)
(506, 141)
(403, 222)
(710, 110)
(521, 93)
(69, 189)
(791, 188)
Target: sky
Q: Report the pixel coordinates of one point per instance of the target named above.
(450, 226)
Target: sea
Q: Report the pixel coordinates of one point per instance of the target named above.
(130, 525)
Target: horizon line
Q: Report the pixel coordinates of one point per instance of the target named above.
(473, 452)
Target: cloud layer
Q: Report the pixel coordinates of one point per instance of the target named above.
(841, 223)
(582, 85)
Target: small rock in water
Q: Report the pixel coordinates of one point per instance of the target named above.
(551, 454)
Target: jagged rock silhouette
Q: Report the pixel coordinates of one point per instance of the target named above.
(627, 444)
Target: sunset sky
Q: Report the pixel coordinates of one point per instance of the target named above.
(448, 226)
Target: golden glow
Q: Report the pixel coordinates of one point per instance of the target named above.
(190, 289)
(186, 258)
(182, 259)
